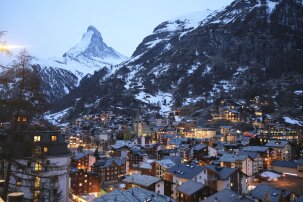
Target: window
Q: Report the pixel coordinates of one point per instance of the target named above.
(54, 138)
(37, 138)
(45, 149)
(18, 182)
(37, 182)
(37, 151)
(80, 184)
(38, 166)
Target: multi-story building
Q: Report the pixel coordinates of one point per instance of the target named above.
(111, 170)
(181, 173)
(262, 151)
(82, 160)
(200, 133)
(192, 191)
(279, 150)
(243, 162)
(225, 129)
(160, 167)
(43, 174)
(220, 178)
(148, 182)
(83, 181)
(136, 156)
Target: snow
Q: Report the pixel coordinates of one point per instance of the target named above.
(193, 68)
(299, 92)
(240, 70)
(270, 175)
(207, 70)
(271, 6)
(293, 121)
(56, 117)
(80, 47)
(152, 44)
(163, 100)
(191, 100)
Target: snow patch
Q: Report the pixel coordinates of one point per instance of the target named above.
(271, 6)
(298, 92)
(293, 121)
(163, 100)
(55, 118)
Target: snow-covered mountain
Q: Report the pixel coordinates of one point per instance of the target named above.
(61, 75)
(242, 50)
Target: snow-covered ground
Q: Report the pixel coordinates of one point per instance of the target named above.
(299, 92)
(293, 121)
(55, 118)
(163, 100)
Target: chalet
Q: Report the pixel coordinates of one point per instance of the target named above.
(192, 191)
(83, 181)
(219, 178)
(181, 173)
(243, 162)
(82, 160)
(280, 150)
(145, 181)
(111, 170)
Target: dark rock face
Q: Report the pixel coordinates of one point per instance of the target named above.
(244, 34)
(56, 83)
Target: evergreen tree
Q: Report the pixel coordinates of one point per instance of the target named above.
(22, 104)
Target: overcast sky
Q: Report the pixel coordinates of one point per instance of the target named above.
(51, 27)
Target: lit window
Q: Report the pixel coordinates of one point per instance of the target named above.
(80, 184)
(37, 138)
(38, 166)
(37, 182)
(45, 149)
(54, 138)
(19, 182)
(85, 181)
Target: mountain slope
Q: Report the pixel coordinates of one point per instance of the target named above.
(253, 34)
(61, 75)
(249, 48)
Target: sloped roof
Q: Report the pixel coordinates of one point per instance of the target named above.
(227, 195)
(142, 180)
(286, 164)
(233, 158)
(187, 171)
(190, 187)
(221, 172)
(135, 194)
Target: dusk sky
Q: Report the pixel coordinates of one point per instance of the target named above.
(51, 27)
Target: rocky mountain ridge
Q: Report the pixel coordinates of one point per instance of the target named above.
(247, 49)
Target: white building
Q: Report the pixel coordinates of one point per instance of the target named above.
(43, 175)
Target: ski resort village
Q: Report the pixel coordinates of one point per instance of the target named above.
(207, 107)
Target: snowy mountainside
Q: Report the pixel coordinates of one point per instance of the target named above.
(242, 50)
(61, 75)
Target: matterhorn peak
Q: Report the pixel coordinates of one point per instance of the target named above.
(94, 31)
(93, 47)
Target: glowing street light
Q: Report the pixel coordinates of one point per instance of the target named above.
(4, 47)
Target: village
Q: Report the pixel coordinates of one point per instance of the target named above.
(173, 157)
